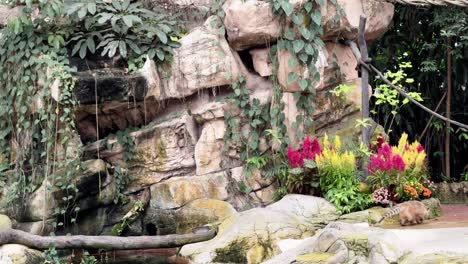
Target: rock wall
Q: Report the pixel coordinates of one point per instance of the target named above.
(179, 121)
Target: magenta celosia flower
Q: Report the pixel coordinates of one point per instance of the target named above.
(385, 151)
(295, 158)
(310, 148)
(380, 141)
(398, 163)
(420, 148)
(385, 161)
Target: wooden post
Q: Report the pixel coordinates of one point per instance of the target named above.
(364, 87)
(448, 107)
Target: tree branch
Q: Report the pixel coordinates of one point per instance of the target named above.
(13, 236)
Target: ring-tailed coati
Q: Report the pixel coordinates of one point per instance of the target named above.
(411, 213)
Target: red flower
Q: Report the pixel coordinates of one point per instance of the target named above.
(420, 148)
(310, 149)
(380, 141)
(398, 163)
(295, 158)
(386, 161)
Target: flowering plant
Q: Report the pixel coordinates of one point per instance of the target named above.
(401, 170)
(302, 166)
(338, 181)
(381, 196)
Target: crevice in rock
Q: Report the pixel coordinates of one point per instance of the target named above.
(247, 60)
(151, 229)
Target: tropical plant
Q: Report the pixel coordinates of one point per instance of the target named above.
(121, 27)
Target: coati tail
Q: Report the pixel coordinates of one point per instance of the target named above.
(390, 213)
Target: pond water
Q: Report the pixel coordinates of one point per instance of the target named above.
(144, 256)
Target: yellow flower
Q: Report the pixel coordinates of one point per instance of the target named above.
(402, 144)
(326, 143)
(337, 143)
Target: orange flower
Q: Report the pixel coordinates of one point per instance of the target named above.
(410, 191)
(426, 192)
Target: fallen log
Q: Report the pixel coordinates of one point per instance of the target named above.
(13, 236)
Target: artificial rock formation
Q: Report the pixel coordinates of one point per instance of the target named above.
(173, 115)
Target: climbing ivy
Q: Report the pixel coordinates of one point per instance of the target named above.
(36, 105)
(250, 112)
(37, 130)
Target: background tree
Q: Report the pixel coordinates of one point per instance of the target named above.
(420, 36)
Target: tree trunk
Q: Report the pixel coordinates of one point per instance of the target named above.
(13, 236)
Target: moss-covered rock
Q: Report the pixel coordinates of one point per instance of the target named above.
(251, 236)
(19, 254)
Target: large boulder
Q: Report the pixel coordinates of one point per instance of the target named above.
(19, 254)
(251, 236)
(178, 191)
(162, 150)
(43, 202)
(379, 15)
(194, 214)
(435, 258)
(204, 60)
(452, 193)
(250, 23)
(5, 222)
(343, 243)
(209, 147)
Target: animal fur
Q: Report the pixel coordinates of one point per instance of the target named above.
(411, 213)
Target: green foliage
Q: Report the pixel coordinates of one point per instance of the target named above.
(255, 115)
(88, 259)
(51, 257)
(385, 95)
(136, 210)
(122, 177)
(121, 27)
(302, 38)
